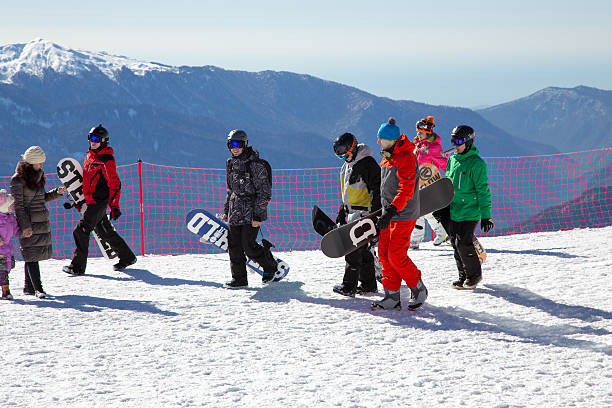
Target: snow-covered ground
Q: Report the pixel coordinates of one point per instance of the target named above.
(536, 333)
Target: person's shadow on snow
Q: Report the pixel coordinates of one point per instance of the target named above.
(435, 318)
(96, 304)
(150, 278)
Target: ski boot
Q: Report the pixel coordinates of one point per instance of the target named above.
(390, 302)
(418, 295)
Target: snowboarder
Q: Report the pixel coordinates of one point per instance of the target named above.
(8, 230)
(400, 199)
(249, 189)
(360, 187)
(428, 150)
(101, 188)
(28, 190)
(471, 203)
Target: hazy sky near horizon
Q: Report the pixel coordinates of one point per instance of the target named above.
(469, 53)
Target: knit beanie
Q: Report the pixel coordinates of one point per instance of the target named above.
(426, 125)
(389, 131)
(34, 155)
(6, 200)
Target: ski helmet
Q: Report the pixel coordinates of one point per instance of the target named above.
(463, 134)
(344, 145)
(425, 125)
(239, 139)
(98, 134)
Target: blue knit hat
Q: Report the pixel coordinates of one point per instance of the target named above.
(389, 131)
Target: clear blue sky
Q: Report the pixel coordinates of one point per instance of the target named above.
(463, 53)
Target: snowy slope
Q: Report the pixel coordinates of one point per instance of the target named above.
(39, 55)
(537, 333)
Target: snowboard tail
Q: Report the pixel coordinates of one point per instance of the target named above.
(213, 231)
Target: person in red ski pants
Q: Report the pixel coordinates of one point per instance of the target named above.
(399, 196)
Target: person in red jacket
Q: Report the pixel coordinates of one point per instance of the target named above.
(101, 188)
(399, 196)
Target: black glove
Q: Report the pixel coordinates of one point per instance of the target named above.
(115, 213)
(486, 224)
(389, 212)
(342, 213)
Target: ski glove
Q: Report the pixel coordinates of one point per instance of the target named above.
(389, 212)
(115, 213)
(342, 213)
(486, 224)
(442, 215)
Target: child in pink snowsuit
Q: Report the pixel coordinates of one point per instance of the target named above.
(8, 230)
(428, 150)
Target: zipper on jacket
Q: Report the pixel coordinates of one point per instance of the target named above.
(459, 186)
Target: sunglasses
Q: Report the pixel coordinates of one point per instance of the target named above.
(94, 138)
(235, 144)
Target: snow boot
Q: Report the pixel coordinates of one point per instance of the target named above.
(71, 270)
(390, 302)
(6, 293)
(344, 290)
(458, 284)
(472, 282)
(362, 290)
(236, 284)
(121, 265)
(438, 240)
(418, 295)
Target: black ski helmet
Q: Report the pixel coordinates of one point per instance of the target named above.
(99, 133)
(462, 134)
(238, 136)
(344, 145)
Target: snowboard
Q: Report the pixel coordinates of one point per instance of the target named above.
(480, 251)
(345, 239)
(323, 224)
(70, 173)
(428, 174)
(212, 230)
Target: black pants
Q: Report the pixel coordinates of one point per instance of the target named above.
(359, 267)
(32, 280)
(95, 219)
(242, 242)
(462, 237)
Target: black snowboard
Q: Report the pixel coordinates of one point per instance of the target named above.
(321, 222)
(345, 239)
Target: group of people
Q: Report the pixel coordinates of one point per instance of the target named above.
(394, 186)
(366, 186)
(31, 224)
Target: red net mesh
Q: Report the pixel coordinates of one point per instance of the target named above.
(529, 194)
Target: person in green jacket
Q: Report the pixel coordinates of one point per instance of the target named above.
(471, 203)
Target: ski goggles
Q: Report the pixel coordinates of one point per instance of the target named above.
(235, 144)
(422, 126)
(94, 138)
(458, 141)
(345, 155)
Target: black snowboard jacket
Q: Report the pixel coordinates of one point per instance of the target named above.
(248, 188)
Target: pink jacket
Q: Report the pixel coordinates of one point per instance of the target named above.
(8, 230)
(431, 152)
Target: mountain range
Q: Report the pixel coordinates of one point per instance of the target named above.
(51, 96)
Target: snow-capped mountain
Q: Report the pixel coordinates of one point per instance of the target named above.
(38, 56)
(570, 119)
(51, 96)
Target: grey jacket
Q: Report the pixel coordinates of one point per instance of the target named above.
(31, 212)
(248, 190)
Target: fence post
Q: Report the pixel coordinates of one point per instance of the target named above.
(142, 235)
